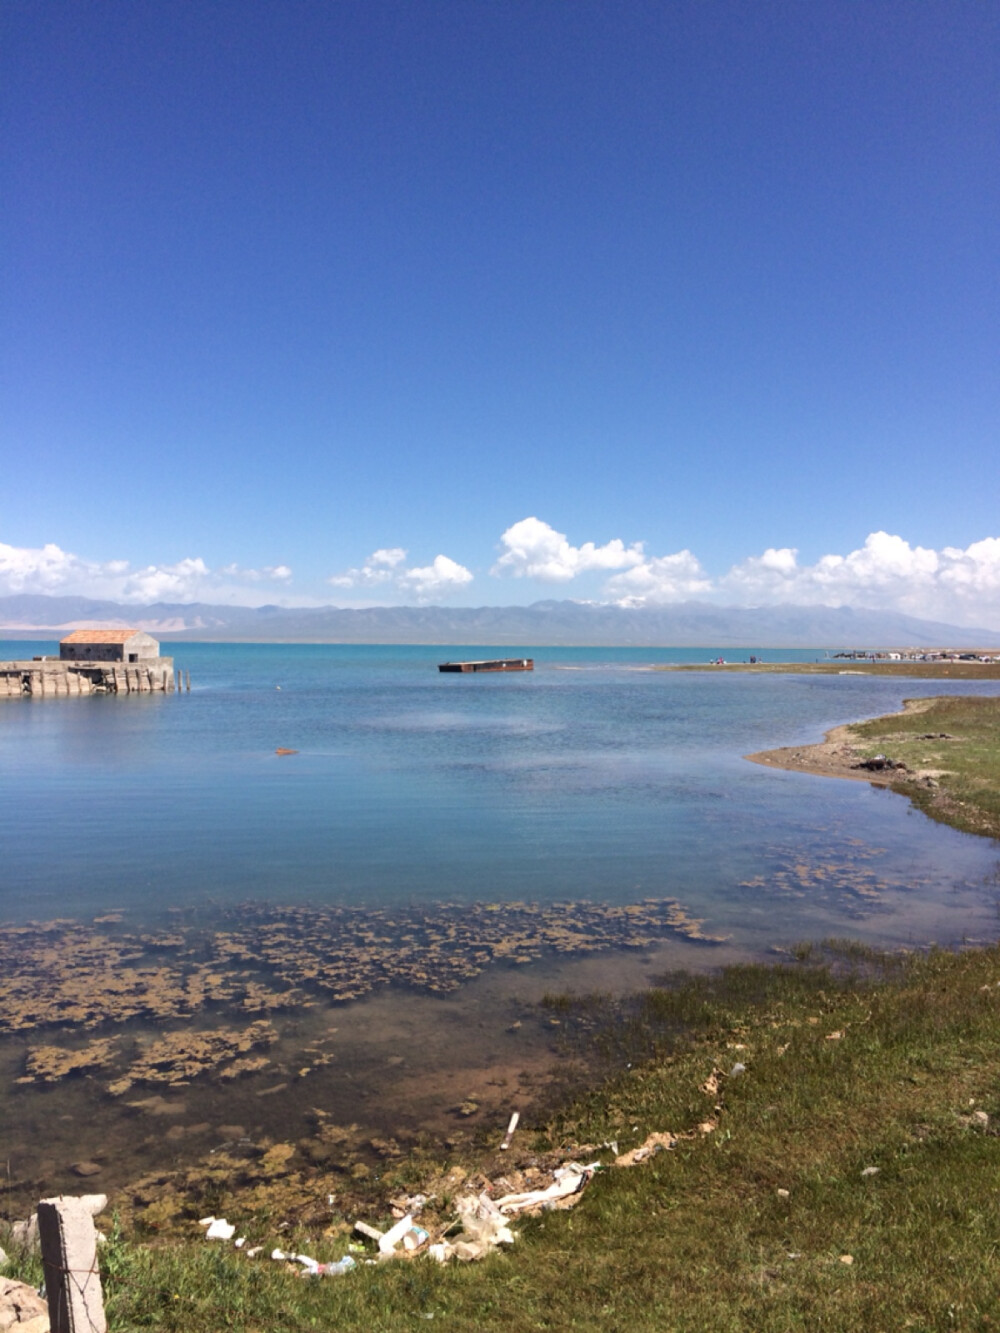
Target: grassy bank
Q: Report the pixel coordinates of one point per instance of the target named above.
(851, 1180)
(958, 741)
(776, 1220)
(943, 753)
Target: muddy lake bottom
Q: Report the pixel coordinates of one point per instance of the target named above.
(374, 1076)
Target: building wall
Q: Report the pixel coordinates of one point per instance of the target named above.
(140, 648)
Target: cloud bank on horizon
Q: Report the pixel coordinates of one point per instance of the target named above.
(959, 586)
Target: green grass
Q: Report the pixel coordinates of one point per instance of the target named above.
(967, 758)
(700, 1238)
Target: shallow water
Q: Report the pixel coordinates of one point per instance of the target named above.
(592, 778)
(588, 778)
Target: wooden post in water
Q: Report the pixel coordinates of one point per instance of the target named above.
(189, 682)
(69, 1257)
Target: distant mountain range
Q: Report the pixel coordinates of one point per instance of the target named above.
(551, 623)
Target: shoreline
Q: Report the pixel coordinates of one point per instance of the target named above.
(947, 770)
(835, 756)
(942, 670)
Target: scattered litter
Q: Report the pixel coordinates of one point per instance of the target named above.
(508, 1137)
(481, 1221)
(654, 1143)
(483, 1227)
(387, 1243)
(364, 1229)
(847, 1258)
(980, 1118)
(313, 1269)
(569, 1180)
(834, 1036)
(784, 1194)
(338, 1269)
(408, 1203)
(870, 1171)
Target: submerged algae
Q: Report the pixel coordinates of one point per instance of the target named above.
(72, 976)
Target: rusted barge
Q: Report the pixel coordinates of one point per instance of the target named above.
(500, 664)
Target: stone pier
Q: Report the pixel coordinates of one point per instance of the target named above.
(49, 677)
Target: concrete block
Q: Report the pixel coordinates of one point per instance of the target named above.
(69, 1257)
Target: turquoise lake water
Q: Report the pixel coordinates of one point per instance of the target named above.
(593, 777)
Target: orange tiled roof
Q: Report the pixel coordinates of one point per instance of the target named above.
(100, 635)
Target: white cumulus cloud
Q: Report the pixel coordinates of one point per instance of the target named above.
(886, 573)
(666, 578)
(534, 550)
(386, 568)
(443, 575)
(50, 569)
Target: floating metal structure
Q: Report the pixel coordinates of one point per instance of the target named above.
(500, 664)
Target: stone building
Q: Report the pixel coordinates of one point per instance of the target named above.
(108, 645)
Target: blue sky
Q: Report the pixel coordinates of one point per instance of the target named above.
(707, 291)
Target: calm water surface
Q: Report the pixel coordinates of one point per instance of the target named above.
(592, 777)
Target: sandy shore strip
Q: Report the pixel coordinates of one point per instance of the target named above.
(837, 755)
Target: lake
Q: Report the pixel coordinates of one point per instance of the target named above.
(367, 926)
(592, 777)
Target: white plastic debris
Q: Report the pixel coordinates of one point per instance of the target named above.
(870, 1171)
(737, 1069)
(483, 1228)
(512, 1126)
(364, 1229)
(569, 1180)
(393, 1237)
(312, 1268)
(220, 1229)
